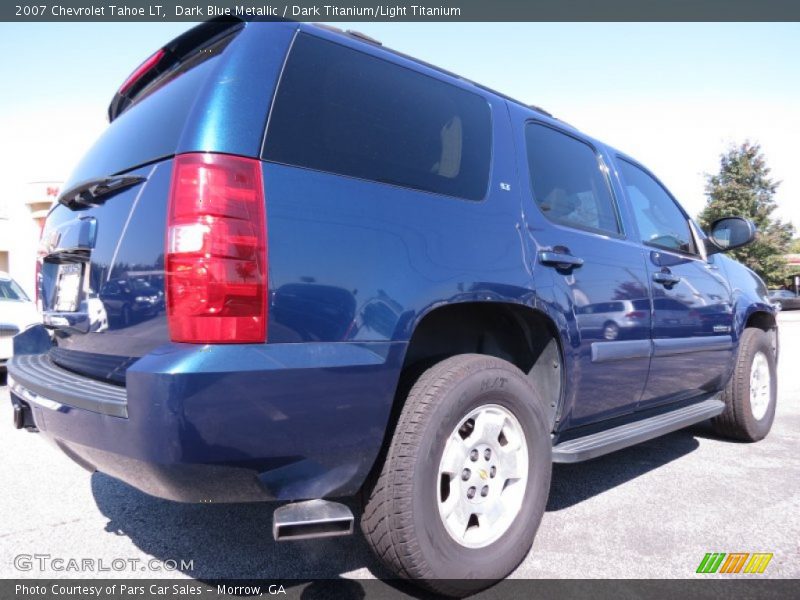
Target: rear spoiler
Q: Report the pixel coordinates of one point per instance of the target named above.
(167, 58)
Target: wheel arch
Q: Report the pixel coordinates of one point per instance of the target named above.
(761, 319)
(767, 321)
(525, 336)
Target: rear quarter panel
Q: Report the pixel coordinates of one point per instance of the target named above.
(356, 260)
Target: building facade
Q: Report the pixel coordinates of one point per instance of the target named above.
(22, 215)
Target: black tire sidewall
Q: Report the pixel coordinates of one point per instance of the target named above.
(757, 428)
(446, 558)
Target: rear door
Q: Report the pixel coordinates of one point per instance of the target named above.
(576, 234)
(692, 300)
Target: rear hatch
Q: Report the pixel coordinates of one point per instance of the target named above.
(101, 258)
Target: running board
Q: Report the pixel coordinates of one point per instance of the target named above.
(311, 519)
(611, 440)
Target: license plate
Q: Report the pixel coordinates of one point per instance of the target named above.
(68, 287)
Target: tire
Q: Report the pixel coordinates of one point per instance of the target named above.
(748, 416)
(402, 521)
(610, 331)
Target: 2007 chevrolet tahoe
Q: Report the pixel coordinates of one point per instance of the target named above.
(380, 279)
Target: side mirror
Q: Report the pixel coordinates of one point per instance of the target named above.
(729, 233)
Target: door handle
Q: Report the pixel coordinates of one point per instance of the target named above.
(559, 259)
(665, 278)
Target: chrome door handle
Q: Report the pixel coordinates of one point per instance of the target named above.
(666, 279)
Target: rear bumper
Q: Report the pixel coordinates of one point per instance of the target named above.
(223, 423)
(39, 381)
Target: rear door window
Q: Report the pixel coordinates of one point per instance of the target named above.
(567, 181)
(343, 111)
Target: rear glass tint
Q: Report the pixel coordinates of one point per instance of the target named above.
(151, 128)
(346, 112)
(567, 181)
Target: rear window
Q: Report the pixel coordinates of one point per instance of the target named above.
(610, 307)
(142, 287)
(346, 112)
(151, 128)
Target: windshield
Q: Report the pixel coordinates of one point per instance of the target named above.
(142, 287)
(9, 290)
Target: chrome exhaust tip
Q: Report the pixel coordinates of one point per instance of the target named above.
(311, 519)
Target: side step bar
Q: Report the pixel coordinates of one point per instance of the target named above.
(311, 519)
(611, 440)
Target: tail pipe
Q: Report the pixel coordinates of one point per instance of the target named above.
(311, 519)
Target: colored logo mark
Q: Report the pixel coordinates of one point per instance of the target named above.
(736, 562)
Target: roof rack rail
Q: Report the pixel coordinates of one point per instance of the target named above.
(350, 33)
(363, 36)
(328, 27)
(539, 109)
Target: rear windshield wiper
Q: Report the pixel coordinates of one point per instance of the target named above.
(96, 191)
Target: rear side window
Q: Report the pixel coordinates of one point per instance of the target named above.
(568, 184)
(346, 112)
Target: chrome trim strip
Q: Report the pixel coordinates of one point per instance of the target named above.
(672, 346)
(621, 350)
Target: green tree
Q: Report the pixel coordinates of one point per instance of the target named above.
(743, 187)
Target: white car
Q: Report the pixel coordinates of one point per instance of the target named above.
(17, 313)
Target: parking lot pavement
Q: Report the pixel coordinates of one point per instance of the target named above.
(651, 511)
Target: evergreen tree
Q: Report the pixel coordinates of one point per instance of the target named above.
(743, 188)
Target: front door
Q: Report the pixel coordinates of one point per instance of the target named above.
(692, 302)
(599, 279)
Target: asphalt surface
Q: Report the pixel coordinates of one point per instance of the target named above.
(651, 511)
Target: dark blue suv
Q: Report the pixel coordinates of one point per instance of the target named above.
(382, 280)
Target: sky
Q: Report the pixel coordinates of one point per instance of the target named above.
(674, 96)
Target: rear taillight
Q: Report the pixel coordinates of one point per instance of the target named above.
(41, 252)
(636, 314)
(216, 256)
